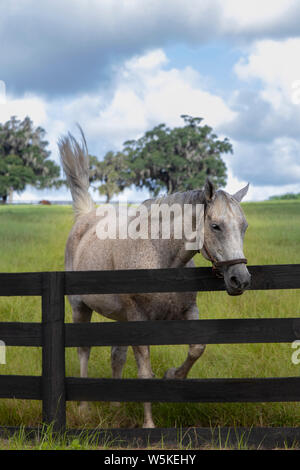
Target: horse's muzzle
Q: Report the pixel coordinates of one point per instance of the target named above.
(237, 279)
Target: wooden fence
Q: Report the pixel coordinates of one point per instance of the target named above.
(53, 335)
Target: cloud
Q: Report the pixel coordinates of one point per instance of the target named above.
(19, 107)
(62, 47)
(255, 19)
(257, 119)
(276, 65)
(271, 164)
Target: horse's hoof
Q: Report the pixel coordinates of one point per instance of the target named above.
(170, 373)
(149, 425)
(83, 408)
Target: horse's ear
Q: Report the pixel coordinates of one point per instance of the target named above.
(238, 196)
(209, 190)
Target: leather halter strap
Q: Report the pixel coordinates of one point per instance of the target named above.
(219, 264)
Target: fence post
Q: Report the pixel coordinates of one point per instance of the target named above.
(53, 356)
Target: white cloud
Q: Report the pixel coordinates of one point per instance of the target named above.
(277, 65)
(149, 61)
(252, 14)
(21, 107)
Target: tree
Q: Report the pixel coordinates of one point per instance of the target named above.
(285, 197)
(113, 172)
(177, 159)
(24, 158)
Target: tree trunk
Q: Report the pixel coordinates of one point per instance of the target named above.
(10, 195)
(170, 186)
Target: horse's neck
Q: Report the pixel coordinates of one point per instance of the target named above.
(179, 256)
(173, 252)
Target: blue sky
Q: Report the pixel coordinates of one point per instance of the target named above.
(119, 67)
(215, 61)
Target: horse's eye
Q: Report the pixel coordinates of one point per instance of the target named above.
(216, 227)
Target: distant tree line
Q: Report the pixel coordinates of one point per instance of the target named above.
(286, 196)
(162, 160)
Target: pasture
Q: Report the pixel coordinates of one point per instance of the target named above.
(33, 239)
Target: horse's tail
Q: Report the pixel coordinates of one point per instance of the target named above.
(75, 161)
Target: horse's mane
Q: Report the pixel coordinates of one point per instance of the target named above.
(194, 196)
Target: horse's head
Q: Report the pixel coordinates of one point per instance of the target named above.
(224, 229)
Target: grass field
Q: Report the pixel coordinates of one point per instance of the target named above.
(33, 238)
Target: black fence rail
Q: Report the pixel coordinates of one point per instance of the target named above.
(54, 335)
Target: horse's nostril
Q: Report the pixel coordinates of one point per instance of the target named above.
(238, 284)
(246, 284)
(235, 282)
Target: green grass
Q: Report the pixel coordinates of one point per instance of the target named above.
(47, 440)
(33, 239)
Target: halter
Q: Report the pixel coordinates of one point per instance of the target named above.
(216, 265)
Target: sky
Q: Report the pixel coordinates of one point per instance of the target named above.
(120, 67)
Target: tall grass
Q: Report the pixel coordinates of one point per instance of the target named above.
(33, 238)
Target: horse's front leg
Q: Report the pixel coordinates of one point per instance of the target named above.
(142, 356)
(195, 351)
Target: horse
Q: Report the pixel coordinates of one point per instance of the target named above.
(224, 229)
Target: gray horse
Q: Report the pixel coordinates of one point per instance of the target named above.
(224, 229)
